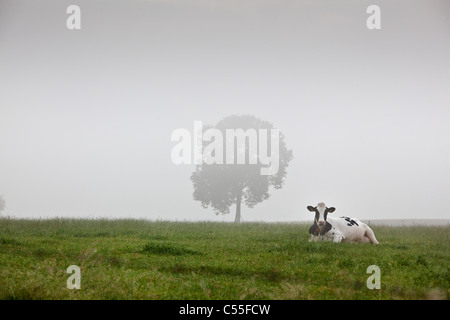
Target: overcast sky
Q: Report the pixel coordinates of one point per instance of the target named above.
(86, 115)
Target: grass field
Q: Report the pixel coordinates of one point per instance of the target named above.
(137, 259)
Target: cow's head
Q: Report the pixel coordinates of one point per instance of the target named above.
(321, 211)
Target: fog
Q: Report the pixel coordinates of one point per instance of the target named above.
(86, 116)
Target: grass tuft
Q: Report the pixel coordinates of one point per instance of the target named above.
(167, 249)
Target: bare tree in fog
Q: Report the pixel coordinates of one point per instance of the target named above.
(222, 185)
(2, 204)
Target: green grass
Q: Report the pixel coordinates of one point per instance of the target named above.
(137, 259)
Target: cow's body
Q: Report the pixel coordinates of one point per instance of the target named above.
(342, 229)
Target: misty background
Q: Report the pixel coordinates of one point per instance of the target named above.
(86, 115)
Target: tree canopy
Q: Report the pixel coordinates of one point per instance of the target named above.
(2, 203)
(221, 185)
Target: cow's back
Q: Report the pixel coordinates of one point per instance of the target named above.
(352, 229)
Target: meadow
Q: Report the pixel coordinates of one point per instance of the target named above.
(138, 259)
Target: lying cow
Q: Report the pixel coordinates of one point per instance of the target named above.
(338, 229)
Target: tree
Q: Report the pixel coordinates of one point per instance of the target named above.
(220, 185)
(2, 203)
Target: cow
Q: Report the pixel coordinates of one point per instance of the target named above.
(342, 229)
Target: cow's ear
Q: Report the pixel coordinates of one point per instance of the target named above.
(331, 210)
(311, 208)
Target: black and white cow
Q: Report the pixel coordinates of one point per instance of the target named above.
(338, 229)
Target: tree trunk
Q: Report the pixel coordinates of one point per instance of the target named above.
(237, 218)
